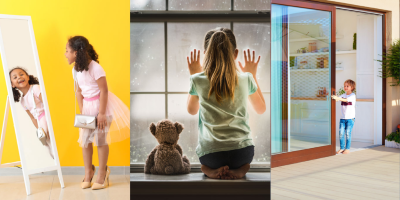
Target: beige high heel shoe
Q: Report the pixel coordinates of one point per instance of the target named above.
(84, 184)
(97, 186)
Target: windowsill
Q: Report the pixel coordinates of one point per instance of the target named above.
(195, 183)
(197, 177)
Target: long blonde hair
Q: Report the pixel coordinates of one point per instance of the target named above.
(219, 63)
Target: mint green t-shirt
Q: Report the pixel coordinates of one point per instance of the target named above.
(224, 126)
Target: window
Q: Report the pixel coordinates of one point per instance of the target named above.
(160, 78)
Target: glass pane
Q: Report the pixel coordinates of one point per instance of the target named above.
(147, 57)
(199, 5)
(148, 5)
(256, 36)
(183, 38)
(260, 126)
(252, 5)
(301, 78)
(145, 109)
(188, 138)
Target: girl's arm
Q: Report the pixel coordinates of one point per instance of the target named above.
(101, 118)
(32, 118)
(339, 98)
(256, 99)
(79, 96)
(193, 104)
(194, 67)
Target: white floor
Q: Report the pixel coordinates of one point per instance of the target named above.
(47, 186)
(369, 174)
(357, 146)
(307, 143)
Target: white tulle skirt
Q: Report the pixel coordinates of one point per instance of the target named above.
(118, 122)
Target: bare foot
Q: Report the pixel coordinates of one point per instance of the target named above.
(346, 151)
(340, 151)
(213, 173)
(240, 172)
(228, 175)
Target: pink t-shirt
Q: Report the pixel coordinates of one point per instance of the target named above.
(27, 102)
(87, 79)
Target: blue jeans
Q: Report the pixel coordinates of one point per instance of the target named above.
(345, 127)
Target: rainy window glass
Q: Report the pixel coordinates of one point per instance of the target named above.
(159, 90)
(252, 4)
(199, 5)
(148, 5)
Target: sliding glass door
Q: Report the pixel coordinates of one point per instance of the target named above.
(302, 81)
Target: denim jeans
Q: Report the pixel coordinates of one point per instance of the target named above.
(345, 127)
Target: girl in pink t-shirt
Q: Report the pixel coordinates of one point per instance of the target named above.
(94, 99)
(22, 81)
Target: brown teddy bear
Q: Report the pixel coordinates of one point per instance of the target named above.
(167, 158)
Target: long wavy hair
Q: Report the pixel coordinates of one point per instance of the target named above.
(219, 63)
(32, 81)
(85, 51)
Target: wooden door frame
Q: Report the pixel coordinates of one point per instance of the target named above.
(328, 150)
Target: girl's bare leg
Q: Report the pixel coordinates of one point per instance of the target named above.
(103, 158)
(87, 161)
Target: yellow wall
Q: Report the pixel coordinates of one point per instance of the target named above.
(106, 25)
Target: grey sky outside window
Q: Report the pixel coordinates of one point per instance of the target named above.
(148, 53)
(255, 36)
(199, 5)
(188, 138)
(252, 4)
(148, 5)
(145, 109)
(183, 38)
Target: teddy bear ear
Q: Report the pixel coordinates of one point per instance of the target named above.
(179, 127)
(152, 129)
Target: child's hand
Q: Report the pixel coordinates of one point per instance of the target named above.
(194, 63)
(250, 63)
(335, 97)
(101, 121)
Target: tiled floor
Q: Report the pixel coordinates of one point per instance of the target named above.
(47, 186)
(366, 174)
(307, 143)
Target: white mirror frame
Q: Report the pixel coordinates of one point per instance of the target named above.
(26, 172)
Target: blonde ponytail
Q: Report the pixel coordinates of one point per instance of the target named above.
(219, 63)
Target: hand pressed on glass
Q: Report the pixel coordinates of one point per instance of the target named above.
(250, 64)
(194, 63)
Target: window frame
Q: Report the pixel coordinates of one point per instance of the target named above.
(232, 8)
(195, 16)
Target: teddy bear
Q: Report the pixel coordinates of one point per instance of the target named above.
(167, 158)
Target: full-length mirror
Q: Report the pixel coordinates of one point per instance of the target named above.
(26, 93)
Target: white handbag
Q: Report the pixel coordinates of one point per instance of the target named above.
(83, 121)
(41, 135)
